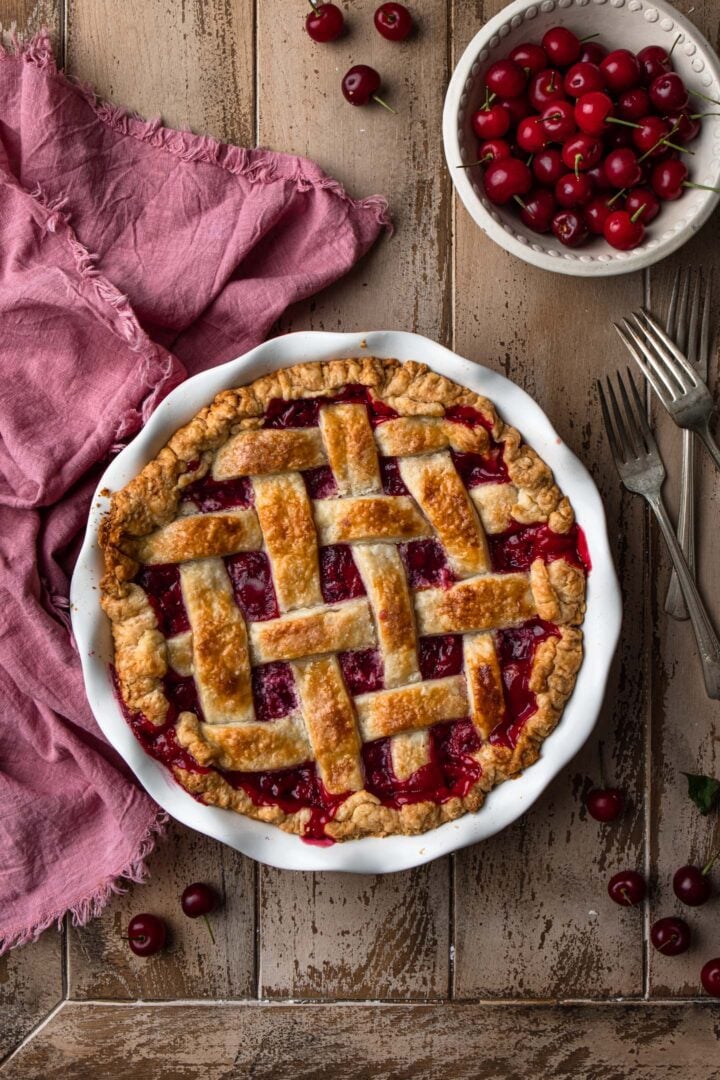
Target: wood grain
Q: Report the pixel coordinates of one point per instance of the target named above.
(31, 984)
(101, 965)
(26, 17)
(189, 60)
(532, 914)
(340, 935)
(439, 1042)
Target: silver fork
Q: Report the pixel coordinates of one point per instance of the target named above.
(641, 470)
(694, 341)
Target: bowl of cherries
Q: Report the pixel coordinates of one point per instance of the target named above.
(585, 137)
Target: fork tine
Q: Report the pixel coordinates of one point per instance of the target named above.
(634, 428)
(609, 429)
(620, 423)
(664, 391)
(705, 342)
(693, 327)
(681, 328)
(642, 416)
(670, 321)
(671, 355)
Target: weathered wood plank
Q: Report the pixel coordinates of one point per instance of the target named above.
(344, 936)
(532, 914)
(190, 60)
(100, 962)
(31, 984)
(26, 17)
(439, 1042)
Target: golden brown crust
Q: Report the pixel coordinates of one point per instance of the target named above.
(484, 682)
(363, 520)
(198, 535)
(283, 509)
(330, 720)
(487, 602)
(226, 438)
(386, 585)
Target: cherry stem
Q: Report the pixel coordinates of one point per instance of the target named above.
(480, 161)
(709, 865)
(702, 187)
(638, 212)
(661, 142)
(519, 201)
(617, 120)
(702, 115)
(675, 42)
(589, 37)
(578, 159)
(671, 941)
(676, 146)
(712, 100)
(551, 84)
(137, 937)
(384, 104)
(626, 897)
(313, 5)
(616, 196)
(210, 930)
(529, 160)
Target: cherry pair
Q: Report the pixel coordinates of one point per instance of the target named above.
(147, 933)
(326, 22)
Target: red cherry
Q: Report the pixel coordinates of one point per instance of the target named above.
(393, 21)
(685, 127)
(491, 123)
(592, 53)
(622, 232)
(325, 22)
(361, 84)
(599, 179)
(545, 87)
(548, 167)
(494, 150)
(530, 57)
(670, 936)
(573, 191)
(633, 104)
(505, 179)
(648, 137)
(558, 119)
(668, 179)
(604, 804)
(517, 108)
(582, 152)
(583, 79)
(538, 209)
(627, 888)
(622, 168)
(531, 135)
(710, 977)
(642, 204)
(561, 46)
(146, 934)
(654, 61)
(691, 886)
(198, 899)
(619, 136)
(668, 93)
(592, 112)
(597, 212)
(621, 70)
(506, 79)
(570, 228)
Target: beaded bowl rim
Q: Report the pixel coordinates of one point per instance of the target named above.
(503, 226)
(267, 843)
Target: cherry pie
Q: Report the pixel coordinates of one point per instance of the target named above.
(345, 600)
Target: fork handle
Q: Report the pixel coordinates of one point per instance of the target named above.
(711, 446)
(707, 641)
(674, 602)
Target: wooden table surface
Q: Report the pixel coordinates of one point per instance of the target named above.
(507, 959)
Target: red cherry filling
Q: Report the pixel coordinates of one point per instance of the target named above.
(515, 650)
(160, 742)
(208, 494)
(162, 585)
(252, 584)
(362, 670)
(469, 417)
(339, 576)
(292, 790)
(320, 482)
(518, 548)
(392, 481)
(305, 412)
(426, 564)
(181, 692)
(476, 469)
(273, 688)
(440, 656)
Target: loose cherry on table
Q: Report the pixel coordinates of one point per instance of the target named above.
(605, 804)
(393, 21)
(146, 934)
(537, 210)
(325, 22)
(692, 884)
(360, 85)
(561, 46)
(197, 901)
(506, 79)
(627, 888)
(569, 227)
(710, 977)
(621, 69)
(530, 57)
(670, 936)
(505, 179)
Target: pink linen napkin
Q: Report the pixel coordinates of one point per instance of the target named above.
(131, 255)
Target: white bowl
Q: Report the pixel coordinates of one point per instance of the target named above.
(630, 24)
(267, 843)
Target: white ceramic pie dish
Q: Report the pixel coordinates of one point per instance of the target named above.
(629, 24)
(267, 843)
